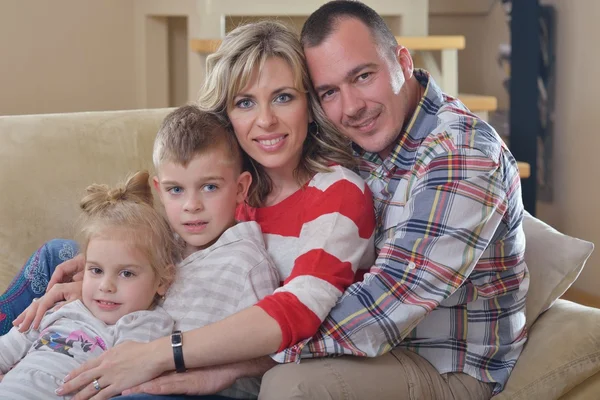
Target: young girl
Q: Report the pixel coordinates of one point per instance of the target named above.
(129, 256)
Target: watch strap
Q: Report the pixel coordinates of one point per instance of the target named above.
(177, 345)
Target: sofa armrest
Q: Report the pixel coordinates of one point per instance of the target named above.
(563, 350)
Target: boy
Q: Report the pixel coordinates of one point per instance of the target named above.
(225, 267)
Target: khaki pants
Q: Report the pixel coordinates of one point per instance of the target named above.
(398, 375)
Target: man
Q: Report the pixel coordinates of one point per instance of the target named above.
(444, 305)
(441, 314)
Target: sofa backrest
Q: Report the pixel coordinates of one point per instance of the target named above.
(47, 161)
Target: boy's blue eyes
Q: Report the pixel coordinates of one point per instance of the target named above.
(209, 187)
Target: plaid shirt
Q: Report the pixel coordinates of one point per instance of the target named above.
(450, 279)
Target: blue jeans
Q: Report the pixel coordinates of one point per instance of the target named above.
(31, 282)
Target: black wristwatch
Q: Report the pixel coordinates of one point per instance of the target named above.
(177, 345)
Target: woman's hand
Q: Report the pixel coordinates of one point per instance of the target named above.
(122, 367)
(68, 271)
(200, 381)
(32, 316)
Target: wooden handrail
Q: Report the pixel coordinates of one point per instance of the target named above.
(422, 43)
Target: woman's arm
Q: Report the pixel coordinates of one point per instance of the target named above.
(336, 235)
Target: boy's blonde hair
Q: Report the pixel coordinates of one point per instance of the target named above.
(187, 132)
(127, 211)
(230, 69)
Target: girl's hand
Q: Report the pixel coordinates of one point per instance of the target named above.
(32, 316)
(125, 365)
(68, 271)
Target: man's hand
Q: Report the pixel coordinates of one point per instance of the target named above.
(32, 316)
(200, 381)
(68, 271)
(204, 381)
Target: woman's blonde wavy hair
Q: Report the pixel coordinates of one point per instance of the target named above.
(127, 211)
(230, 69)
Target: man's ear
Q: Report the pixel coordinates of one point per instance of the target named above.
(156, 185)
(405, 60)
(243, 185)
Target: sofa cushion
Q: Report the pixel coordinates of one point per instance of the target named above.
(554, 261)
(47, 161)
(563, 351)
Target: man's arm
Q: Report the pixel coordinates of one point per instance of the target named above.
(452, 213)
(204, 381)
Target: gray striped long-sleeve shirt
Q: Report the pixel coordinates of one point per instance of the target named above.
(67, 338)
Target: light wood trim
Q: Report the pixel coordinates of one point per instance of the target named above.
(421, 43)
(205, 46)
(524, 169)
(475, 102)
(432, 43)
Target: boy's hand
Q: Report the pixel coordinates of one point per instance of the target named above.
(68, 271)
(32, 316)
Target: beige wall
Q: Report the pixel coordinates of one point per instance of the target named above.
(78, 55)
(478, 71)
(66, 55)
(575, 208)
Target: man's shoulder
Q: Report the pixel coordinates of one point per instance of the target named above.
(460, 131)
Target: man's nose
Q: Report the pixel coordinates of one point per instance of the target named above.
(352, 103)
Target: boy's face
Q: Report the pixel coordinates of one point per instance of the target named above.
(200, 199)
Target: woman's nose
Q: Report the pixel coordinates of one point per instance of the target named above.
(266, 118)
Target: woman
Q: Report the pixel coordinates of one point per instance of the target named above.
(316, 215)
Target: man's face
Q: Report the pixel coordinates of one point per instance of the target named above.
(361, 90)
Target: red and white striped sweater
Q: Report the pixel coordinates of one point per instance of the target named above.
(318, 237)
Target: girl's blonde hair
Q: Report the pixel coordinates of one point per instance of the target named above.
(127, 211)
(230, 69)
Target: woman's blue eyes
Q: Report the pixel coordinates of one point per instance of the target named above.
(283, 98)
(244, 103)
(280, 98)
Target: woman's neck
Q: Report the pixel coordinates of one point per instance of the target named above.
(284, 184)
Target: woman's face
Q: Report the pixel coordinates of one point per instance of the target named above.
(270, 117)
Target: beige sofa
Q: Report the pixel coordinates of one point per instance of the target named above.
(47, 160)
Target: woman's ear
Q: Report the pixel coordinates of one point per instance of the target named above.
(243, 185)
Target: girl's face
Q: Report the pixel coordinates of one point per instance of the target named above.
(118, 279)
(270, 117)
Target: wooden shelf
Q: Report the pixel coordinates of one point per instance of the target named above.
(524, 169)
(416, 43)
(477, 103)
(432, 43)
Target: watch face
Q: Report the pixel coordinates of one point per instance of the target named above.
(176, 339)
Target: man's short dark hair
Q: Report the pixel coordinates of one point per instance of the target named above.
(325, 20)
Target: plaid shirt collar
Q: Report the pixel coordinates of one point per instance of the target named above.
(422, 122)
